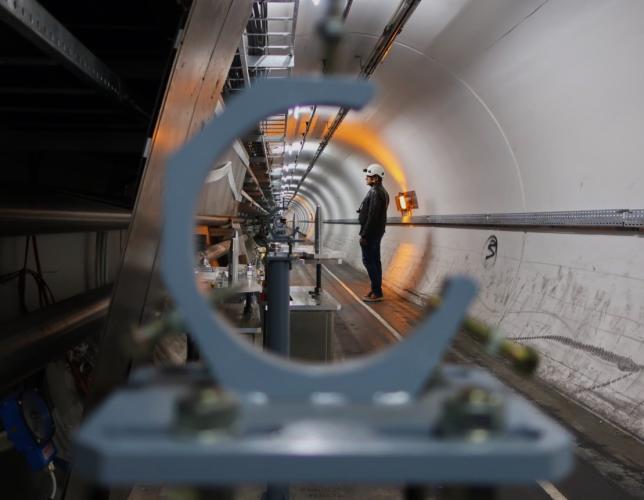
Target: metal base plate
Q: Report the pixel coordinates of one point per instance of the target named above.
(132, 438)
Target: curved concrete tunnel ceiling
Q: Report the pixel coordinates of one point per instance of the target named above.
(506, 106)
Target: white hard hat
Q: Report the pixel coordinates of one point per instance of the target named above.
(375, 169)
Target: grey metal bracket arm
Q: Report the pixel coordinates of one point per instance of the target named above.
(237, 366)
(373, 419)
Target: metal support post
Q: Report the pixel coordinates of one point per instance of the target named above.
(278, 338)
(233, 260)
(277, 325)
(318, 249)
(318, 278)
(243, 57)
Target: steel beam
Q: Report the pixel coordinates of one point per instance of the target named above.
(243, 57)
(34, 22)
(212, 34)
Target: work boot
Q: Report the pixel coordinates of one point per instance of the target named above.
(372, 297)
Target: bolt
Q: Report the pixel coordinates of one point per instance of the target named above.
(206, 410)
(473, 413)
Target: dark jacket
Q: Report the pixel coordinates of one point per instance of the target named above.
(373, 212)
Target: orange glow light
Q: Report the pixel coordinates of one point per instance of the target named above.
(367, 140)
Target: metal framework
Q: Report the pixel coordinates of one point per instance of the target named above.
(36, 23)
(613, 219)
(389, 34)
(266, 50)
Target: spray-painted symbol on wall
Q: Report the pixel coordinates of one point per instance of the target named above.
(490, 251)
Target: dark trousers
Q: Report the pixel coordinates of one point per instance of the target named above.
(371, 261)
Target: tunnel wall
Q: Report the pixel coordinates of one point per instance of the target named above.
(536, 107)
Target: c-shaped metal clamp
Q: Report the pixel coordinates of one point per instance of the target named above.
(236, 365)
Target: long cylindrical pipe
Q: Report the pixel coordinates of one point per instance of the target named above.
(217, 250)
(20, 221)
(605, 220)
(16, 221)
(29, 343)
(222, 248)
(218, 220)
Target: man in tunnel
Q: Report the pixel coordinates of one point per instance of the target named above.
(373, 217)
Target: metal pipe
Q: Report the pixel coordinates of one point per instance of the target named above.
(16, 221)
(218, 220)
(605, 220)
(223, 247)
(217, 250)
(29, 343)
(392, 30)
(21, 221)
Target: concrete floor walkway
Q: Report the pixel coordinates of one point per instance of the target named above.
(609, 463)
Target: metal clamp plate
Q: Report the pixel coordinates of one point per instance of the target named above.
(237, 366)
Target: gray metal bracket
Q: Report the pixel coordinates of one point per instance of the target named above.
(371, 420)
(391, 441)
(237, 366)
